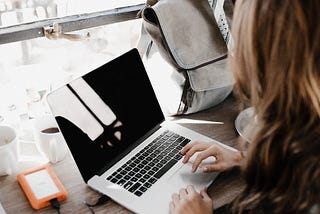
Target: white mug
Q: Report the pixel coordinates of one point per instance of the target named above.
(8, 150)
(49, 138)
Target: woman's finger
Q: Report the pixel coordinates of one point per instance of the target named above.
(211, 151)
(190, 190)
(175, 198)
(187, 147)
(204, 194)
(215, 167)
(172, 207)
(194, 149)
(183, 193)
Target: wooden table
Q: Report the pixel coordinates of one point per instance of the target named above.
(223, 190)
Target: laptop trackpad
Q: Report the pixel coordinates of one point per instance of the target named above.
(183, 177)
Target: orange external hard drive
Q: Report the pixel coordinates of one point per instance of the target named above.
(40, 186)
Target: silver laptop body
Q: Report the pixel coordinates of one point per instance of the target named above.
(119, 139)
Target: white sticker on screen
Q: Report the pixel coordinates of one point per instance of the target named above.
(41, 184)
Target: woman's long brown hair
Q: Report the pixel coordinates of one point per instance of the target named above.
(276, 63)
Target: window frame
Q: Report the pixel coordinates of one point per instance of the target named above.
(71, 23)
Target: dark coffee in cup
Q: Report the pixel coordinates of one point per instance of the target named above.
(51, 130)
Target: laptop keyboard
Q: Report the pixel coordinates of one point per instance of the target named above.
(144, 169)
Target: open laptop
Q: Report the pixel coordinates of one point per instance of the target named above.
(119, 139)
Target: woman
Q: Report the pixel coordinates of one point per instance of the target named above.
(276, 63)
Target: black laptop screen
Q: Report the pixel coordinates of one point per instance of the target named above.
(104, 112)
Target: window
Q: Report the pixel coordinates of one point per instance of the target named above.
(32, 65)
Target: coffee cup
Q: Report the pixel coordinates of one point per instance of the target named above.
(49, 138)
(8, 150)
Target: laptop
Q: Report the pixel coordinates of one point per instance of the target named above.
(119, 138)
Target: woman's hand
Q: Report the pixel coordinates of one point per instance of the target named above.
(225, 158)
(188, 201)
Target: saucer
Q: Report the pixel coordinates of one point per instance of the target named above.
(244, 123)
